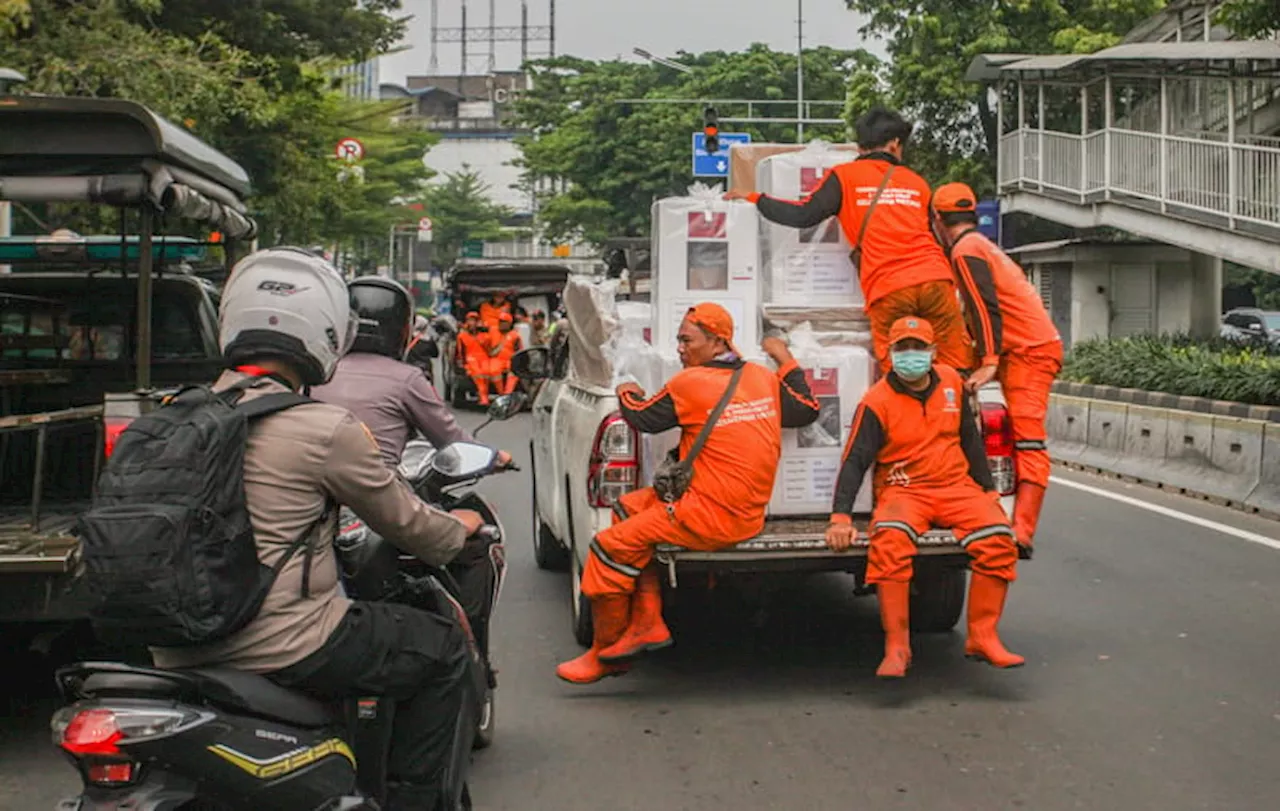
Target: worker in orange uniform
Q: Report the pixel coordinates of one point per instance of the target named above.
(491, 310)
(725, 503)
(473, 345)
(916, 426)
(902, 268)
(504, 343)
(1017, 343)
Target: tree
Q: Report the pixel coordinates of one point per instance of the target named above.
(276, 115)
(932, 42)
(1252, 18)
(607, 160)
(460, 210)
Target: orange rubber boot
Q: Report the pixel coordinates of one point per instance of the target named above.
(895, 618)
(609, 617)
(1026, 515)
(986, 604)
(647, 632)
(482, 389)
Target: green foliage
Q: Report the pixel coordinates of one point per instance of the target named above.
(243, 87)
(932, 42)
(609, 161)
(1251, 18)
(1264, 286)
(460, 210)
(1179, 365)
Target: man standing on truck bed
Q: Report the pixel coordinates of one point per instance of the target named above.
(902, 268)
(916, 427)
(1017, 344)
(725, 502)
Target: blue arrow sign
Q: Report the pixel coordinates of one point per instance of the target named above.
(707, 165)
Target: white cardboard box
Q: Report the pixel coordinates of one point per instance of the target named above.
(705, 249)
(811, 456)
(804, 267)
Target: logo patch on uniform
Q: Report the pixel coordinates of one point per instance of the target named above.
(950, 395)
(898, 475)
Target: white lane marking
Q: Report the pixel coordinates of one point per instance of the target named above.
(1242, 534)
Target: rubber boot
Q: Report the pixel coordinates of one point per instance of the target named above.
(609, 617)
(482, 389)
(646, 632)
(1026, 515)
(895, 618)
(986, 604)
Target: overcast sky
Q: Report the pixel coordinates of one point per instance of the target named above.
(604, 29)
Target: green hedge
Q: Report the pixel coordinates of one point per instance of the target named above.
(1180, 365)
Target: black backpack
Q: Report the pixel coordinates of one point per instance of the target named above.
(168, 552)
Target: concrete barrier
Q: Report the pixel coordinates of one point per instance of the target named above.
(1230, 459)
(1068, 426)
(1266, 496)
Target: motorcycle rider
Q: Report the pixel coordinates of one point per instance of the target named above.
(422, 347)
(285, 321)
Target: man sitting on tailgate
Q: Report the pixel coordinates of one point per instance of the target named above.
(915, 425)
(725, 503)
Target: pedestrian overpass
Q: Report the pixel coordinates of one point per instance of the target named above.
(1174, 142)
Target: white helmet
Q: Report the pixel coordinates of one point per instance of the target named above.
(291, 304)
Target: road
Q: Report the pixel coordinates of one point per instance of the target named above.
(1151, 683)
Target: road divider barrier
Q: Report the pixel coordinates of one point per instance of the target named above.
(1230, 459)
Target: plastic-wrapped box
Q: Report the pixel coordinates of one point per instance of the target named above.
(804, 267)
(705, 249)
(838, 375)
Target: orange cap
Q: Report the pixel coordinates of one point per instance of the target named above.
(954, 198)
(714, 319)
(473, 314)
(504, 316)
(911, 327)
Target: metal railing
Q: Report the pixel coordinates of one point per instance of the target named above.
(1227, 184)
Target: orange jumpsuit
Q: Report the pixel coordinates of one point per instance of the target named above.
(503, 347)
(903, 269)
(490, 313)
(474, 350)
(930, 470)
(1014, 331)
(732, 476)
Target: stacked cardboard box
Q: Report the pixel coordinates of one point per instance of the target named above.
(705, 249)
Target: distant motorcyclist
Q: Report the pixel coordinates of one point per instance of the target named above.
(285, 322)
(422, 347)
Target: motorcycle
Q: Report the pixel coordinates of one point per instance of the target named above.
(149, 739)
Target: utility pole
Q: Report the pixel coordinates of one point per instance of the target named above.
(800, 71)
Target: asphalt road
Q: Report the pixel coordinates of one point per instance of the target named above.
(1152, 649)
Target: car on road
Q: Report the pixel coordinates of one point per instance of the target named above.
(585, 456)
(1251, 324)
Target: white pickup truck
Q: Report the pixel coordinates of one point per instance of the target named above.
(584, 456)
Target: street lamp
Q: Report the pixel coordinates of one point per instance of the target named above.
(658, 60)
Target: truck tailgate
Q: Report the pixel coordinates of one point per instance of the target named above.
(800, 538)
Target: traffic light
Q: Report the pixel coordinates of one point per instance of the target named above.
(711, 130)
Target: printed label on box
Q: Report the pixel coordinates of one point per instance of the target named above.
(708, 225)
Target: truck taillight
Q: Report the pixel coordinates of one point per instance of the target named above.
(615, 462)
(997, 434)
(114, 427)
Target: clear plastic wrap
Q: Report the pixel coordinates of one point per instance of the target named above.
(838, 374)
(705, 249)
(804, 267)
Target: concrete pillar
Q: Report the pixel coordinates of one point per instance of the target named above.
(1206, 295)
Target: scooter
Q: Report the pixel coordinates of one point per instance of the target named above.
(148, 739)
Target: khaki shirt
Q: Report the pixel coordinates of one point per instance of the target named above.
(294, 462)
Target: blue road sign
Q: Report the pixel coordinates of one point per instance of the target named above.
(707, 165)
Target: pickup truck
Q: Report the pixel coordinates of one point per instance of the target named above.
(584, 456)
(66, 346)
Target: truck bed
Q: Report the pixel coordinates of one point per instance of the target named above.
(49, 550)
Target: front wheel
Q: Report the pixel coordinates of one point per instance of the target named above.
(937, 598)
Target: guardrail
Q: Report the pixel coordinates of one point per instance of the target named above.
(1231, 460)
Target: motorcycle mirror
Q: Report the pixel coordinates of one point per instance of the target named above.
(507, 406)
(463, 459)
(532, 364)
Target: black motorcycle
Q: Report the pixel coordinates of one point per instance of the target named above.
(148, 739)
